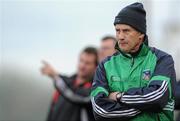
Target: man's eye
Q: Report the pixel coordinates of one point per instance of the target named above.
(117, 30)
(126, 30)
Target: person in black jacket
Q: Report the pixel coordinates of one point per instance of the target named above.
(177, 96)
(177, 99)
(71, 100)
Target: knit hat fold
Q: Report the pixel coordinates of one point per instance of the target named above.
(133, 15)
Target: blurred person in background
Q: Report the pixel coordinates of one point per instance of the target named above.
(177, 95)
(71, 101)
(137, 82)
(177, 99)
(107, 47)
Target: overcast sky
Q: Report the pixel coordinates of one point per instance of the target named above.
(57, 30)
(54, 30)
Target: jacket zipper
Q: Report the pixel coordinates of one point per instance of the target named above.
(132, 62)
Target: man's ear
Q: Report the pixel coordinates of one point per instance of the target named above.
(141, 37)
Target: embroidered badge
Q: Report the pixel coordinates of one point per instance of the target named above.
(146, 74)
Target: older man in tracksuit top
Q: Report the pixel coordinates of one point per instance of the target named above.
(137, 82)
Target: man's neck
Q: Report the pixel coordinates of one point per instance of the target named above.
(81, 80)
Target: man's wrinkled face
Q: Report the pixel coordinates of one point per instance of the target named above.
(106, 49)
(86, 65)
(129, 39)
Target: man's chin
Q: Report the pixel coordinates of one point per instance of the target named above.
(124, 50)
(82, 75)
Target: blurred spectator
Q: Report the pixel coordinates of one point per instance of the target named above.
(177, 96)
(107, 47)
(71, 102)
(177, 99)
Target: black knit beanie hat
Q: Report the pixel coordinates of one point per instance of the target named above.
(133, 15)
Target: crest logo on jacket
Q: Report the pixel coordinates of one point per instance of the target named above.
(146, 74)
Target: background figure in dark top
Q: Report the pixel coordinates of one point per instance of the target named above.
(177, 96)
(177, 99)
(71, 101)
(106, 47)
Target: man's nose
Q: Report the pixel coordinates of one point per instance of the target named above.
(121, 36)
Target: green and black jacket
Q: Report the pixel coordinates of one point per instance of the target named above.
(147, 80)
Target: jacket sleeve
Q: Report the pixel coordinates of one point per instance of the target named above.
(159, 90)
(103, 107)
(177, 96)
(70, 95)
